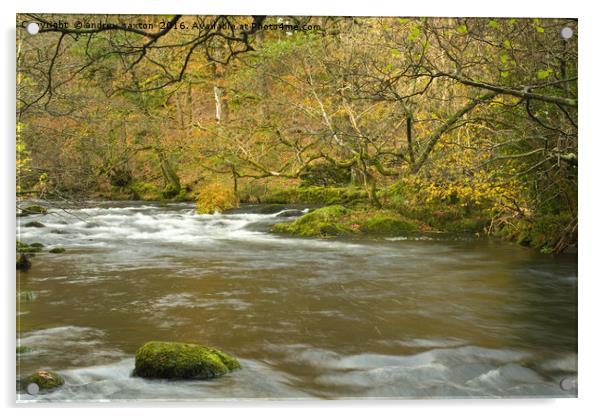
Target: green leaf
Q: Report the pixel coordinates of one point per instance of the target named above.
(507, 44)
(414, 33)
(493, 24)
(402, 20)
(543, 74)
(462, 29)
(504, 74)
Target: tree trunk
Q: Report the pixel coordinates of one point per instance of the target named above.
(169, 173)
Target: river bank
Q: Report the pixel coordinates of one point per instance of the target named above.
(400, 213)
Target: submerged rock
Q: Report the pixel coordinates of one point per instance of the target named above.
(35, 224)
(290, 213)
(270, 209)
(45, 380)
(176, 360)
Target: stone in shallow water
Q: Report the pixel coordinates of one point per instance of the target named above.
(36, 224)
(176, 360)
(45, 380)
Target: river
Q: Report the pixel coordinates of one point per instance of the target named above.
(413, 317)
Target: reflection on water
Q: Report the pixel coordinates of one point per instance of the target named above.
(411, 317)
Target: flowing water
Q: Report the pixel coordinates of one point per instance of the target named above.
(308, 318)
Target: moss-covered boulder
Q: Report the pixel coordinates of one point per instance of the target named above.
(45, 380)
(337, 220)
(28, 248)
(176, 360)
(56, 250)
(322, 222)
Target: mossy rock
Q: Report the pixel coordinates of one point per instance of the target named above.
(23, 262)
(57, 250)
(322, 222)
(36, 224)
(45, 380)
(29, 248)
(387, 225)
(34, 209)
(176, 360)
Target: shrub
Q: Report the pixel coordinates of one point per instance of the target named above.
(216, 197)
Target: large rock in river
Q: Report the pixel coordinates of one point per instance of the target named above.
(176, 360)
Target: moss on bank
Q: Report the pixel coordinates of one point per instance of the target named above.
(317, 195)
(337, 220)
(176, 360)
(543, 232)
(388, 224)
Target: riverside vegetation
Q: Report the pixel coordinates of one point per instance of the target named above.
(391, 125)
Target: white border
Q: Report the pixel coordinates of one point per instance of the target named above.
(590, 154)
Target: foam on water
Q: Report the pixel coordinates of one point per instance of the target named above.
(111, 226)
